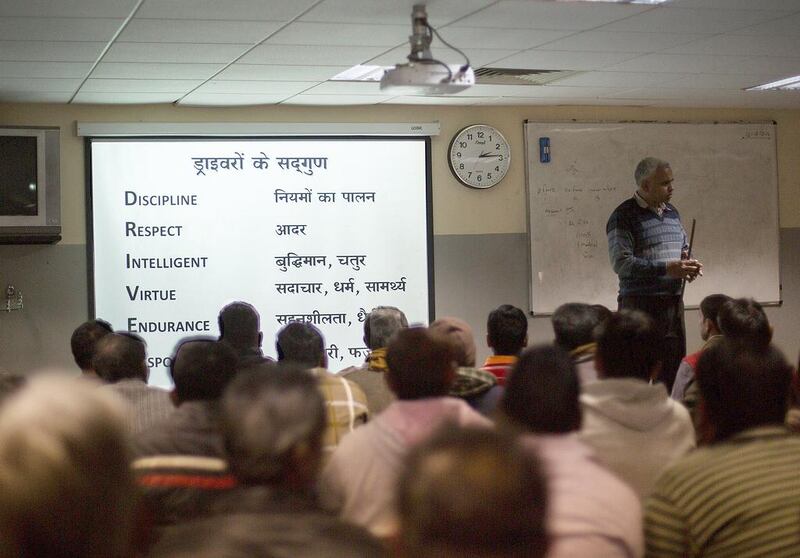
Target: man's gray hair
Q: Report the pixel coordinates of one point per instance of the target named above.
(66, 486)
(646, 168)
(381, 324)
(267, 413)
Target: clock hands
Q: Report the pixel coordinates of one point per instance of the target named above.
(488, 155)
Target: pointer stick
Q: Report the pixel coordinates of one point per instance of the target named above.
(689, 255)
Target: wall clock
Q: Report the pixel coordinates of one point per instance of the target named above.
(479, 156)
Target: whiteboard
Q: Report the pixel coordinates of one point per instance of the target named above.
(319, 230)
(725, 178)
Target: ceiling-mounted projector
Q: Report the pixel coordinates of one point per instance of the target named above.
(423, 74)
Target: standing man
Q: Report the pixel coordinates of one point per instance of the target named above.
(649, 252)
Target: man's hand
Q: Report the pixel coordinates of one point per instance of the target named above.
(685, 269)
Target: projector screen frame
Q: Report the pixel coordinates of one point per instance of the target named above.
(89, 198)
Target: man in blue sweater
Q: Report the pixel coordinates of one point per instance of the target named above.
(649, 252)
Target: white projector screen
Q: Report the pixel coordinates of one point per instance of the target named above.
(319, 230)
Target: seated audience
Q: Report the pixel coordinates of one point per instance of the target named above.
(574, 324)
(740, 496)
(181, 462)
(83, 342)
(273, 422)
(475, 386)
(506, 335)
(240, 327)
(379, 326)
(591, 512)
(632, 425)
(120, 361)
(710, 334)
(359, 479)
(471, 493)
(66, 487)
(302, 344)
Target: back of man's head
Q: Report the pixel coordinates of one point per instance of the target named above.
(66, 486)
(710, 307)
(472, 494)
(239, 325)
(627, 346)
(542, 393)
(120, 357)
(201, 369)
(273, 418)
(742, 387)
(84, 339)
(507, 330)
(421, 364)
(301, 343)
(380, 324)
(460, 333)
(574, 324)
(744, 320)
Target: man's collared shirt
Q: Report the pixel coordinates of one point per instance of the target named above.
(659, 210)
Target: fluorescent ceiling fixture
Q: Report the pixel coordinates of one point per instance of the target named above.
(362, 72)
(790, 83)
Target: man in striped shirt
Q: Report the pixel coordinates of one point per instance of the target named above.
(648, 251)
(740, 496)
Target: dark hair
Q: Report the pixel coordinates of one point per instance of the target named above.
(542, 392)
(381, 323)
(268, 411)
(744, 320)
(742, 387)
(711, 305)
(239, 325)
(84, 339)
(10, 384)
(603, 313)
(421, 364)
(574, 323)
(507, 330)
(627, 345)
(472, 492)
(301, 343)
(119, 357)
(202, 368)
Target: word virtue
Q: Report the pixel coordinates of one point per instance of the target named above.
(303, 165)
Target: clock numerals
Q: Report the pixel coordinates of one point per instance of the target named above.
(479, 156)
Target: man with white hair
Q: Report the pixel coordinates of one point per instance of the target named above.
(649, 252)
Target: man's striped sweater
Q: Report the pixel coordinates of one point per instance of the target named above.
(640, 243)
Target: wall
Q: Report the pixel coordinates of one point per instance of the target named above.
(479, 235)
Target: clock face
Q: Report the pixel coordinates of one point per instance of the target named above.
(479, 156)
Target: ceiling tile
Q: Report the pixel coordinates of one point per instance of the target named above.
(173, 52)
(744, 45)
(550, 15)
(717, 81)
(230, 100)
(304, 55)
(242, 10)
(787, 25)
(34, 96)
(45, 51)
(68, 8)
(679, 20)
(621, 41)
(673, 63)
(325, 100)
(617, 79)
(139, 85)
(283, 88)
(562, 60)
(44, 69)
(39, 84)
(760, 65)
(493, 38)
(422, 100)
(440, 12)
(58, 29)
(349, 88)
(788, 5)
(342, 34)
(137, 70)
(271, 72)
(117, 98)
(477, 57)
(193, 31)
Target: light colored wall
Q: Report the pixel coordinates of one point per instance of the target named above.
(457, 210)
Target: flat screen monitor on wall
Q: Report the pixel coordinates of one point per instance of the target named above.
(307, 229)
(30, 198)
